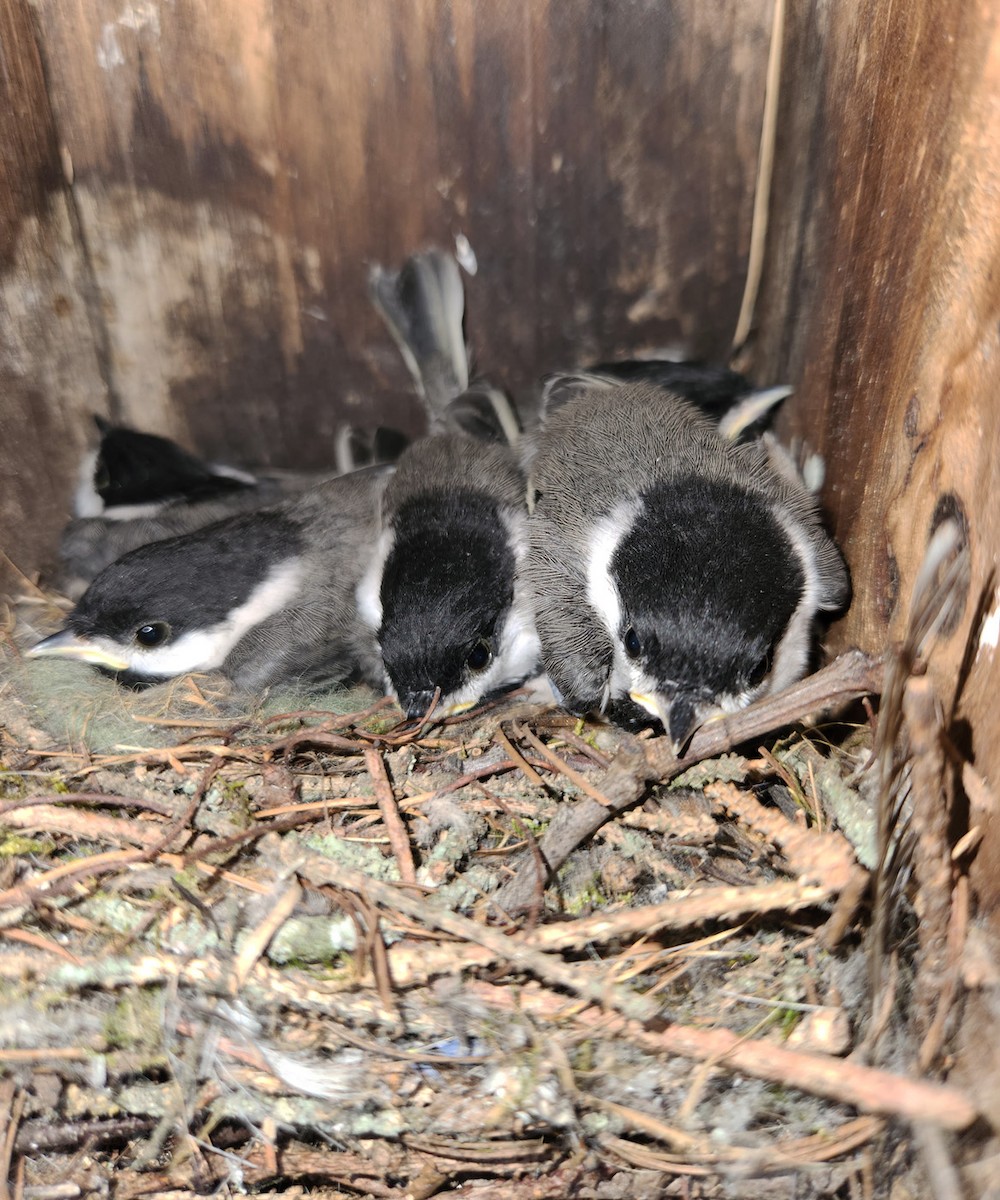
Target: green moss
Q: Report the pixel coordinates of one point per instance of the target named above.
(15, 844)
(135, 1021)
(526, 827)
(303, 941)
(226, 810)
(233, 790)
(189, 878)
(583, 1059)
(632, 844)
(362, 856)
(787, 1019)
(379, 724)
(744, 959)
(12, 785)
(852, 811)
(590, 896)
(113, 912)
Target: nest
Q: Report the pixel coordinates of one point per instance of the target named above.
(320, 950)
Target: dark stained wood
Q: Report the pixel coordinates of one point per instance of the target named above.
(882, 293)
(237, 165)
(882, 302)
(49, 356)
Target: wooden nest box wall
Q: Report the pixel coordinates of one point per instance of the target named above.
(192, 194)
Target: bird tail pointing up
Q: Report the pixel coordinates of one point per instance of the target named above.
(423, 305)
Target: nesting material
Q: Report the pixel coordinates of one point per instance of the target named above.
(309, 944)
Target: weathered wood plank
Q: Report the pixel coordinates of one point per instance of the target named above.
(882, 293)
(237, 165)
(49, 356)
(883, 298)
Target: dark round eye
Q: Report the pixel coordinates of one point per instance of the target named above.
(479, 656)
(759, 670)
(153, 634)
(633, 647)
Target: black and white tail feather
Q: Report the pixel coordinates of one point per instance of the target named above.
(423, 306)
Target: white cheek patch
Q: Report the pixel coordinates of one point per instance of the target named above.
(729, 702)
(134, 512)
(206, 649)
(200, 650)
(368, 594)
(602, 595)
(518, 648)
(227, 472)
(86, 501)
(517, 657)
(791, 654)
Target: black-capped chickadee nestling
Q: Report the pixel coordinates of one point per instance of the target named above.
(267, 597)
(444, 593)
(674, 573)
(739, 410)
(132, 473)
(136, 488)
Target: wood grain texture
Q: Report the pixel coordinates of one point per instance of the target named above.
(237, 165)
(882, 302)
(49, 361)
(882, 295)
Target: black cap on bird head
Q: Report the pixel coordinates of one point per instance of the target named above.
(182, 604)
(133, 469)
(698, 587)
(452, 551)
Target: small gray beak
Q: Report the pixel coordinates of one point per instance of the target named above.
(676, 713)
(416, 704)
(67, 644)
(682, 721)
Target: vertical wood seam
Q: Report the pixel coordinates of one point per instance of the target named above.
(90, 292)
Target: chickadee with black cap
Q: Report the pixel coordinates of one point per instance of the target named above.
(267, 597)
(738, 409)
(133, 474)
(137, 488)
(675, 573)
(444, 593)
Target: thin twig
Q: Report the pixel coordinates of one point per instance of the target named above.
(866, 1088)
(12, 1108)
(260, 938)
(320, 870)
(393, 822)
(562, 767)
(682, 910)
(515, 755)
(40, 943)
(639, 763)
